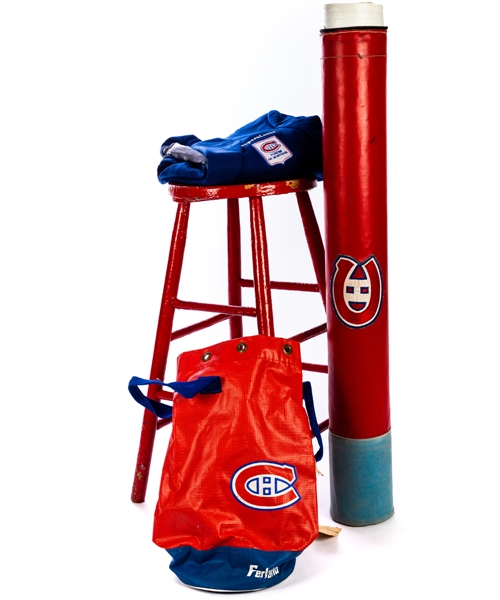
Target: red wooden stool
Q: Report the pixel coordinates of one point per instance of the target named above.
(234, 311)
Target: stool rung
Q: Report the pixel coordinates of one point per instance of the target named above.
(315, 368)
(198, 326)
(309, 334)
(243, 311)
(162, 422)
(323, 426)
(284, 285)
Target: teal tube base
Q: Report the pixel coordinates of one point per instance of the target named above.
(361, 480)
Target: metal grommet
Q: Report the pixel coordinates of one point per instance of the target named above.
(206, 356)
(287, 349)
(241, 347)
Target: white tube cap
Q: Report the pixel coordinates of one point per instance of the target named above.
(359, 14)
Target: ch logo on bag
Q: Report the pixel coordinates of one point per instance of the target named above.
(356, 290)
(265, 485)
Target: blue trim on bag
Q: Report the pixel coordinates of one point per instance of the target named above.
(187, 389)
(231, 569)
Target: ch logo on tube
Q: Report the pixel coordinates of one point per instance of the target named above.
(356, 290)
(265, 485)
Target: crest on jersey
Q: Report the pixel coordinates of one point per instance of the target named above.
(265, 485)
(356, 290)
(273, 150)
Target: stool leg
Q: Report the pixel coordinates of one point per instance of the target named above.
(234, 264)
(314, 241)
(162, 344)
(262, 281)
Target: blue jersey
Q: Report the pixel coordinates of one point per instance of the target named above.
(274, 147)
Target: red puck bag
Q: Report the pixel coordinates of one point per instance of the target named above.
(237, 502)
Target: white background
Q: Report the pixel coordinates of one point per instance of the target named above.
(89, 91)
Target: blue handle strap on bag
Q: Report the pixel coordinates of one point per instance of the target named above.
(313, 421)
(187, 389)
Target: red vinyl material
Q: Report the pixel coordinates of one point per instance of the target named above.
(355, 187)
(257, 426)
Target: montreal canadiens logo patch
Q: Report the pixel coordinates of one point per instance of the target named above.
(356, 290)
(273, 150)
(265, 485)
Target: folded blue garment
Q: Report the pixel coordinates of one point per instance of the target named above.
(274, 147)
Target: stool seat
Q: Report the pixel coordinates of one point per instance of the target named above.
(233, 311)
(193, 193)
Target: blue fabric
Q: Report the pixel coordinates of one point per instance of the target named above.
(361, 480)
(237, 159)
(188, 389)
(231, 569)
(313, 421)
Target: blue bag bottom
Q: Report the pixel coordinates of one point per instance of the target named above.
(228, 569)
